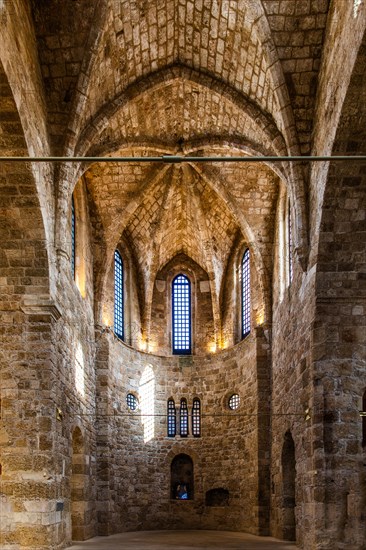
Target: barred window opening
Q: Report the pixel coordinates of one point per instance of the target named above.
(172, 418)
(183, 418)
(234, 402)
(196, 418)
(181, 312)
(132, 402)
(245, 294)
(118, 296)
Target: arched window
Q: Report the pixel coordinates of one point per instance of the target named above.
(181, 312)
(196, 417)
(172, 417)
(245, 294)
(118, 295)
(73, 237)
(183, 418)
(363, 413)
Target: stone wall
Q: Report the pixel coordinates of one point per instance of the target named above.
(135, 453)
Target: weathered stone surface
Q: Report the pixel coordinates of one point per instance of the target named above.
(197, 78)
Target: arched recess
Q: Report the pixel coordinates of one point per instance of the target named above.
(78, 487)
(133, 295)
(230, 295)
(288, 464)
(182, 478)
(160, 335)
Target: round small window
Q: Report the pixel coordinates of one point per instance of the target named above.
(234, 402)
(132, 401)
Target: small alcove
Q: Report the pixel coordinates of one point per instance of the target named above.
(217, 497)
(181, 478)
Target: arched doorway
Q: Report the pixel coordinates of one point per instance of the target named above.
(288, 463)
(78, 499)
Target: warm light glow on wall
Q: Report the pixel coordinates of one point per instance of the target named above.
(107, 319)
(152, 347)
(212, 347)
(260, 318)
(79, 370)
(80, 278)
(224, 343)
(147, 392)
(142, 344)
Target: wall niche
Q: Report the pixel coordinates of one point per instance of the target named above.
(217, 497)
(182, 480)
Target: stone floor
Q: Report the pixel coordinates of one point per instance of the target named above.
(183, 540)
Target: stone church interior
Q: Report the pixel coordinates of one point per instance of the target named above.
(183, 341)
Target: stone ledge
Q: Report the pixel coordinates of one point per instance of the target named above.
(41, 305)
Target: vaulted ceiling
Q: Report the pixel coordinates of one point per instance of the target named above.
(152, 77)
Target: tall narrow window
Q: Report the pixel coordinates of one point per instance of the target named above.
(73, 237)
(172, 417)
(196, 417)
(289, 232)
(364, 419)
(181, 297)
(245, 294)
(118, 295)
(183, 420)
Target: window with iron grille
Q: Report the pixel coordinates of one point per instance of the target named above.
(181, 313)
(118, 295)
(196, 418)
(132, 402)
(183, 418)
(172, 418)
(234, 401)
(245, 294)
(73, 237)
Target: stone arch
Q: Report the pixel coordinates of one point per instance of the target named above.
(168, 74)
(23, 238)
(264, 122)
(288, 464)
(91, 49)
